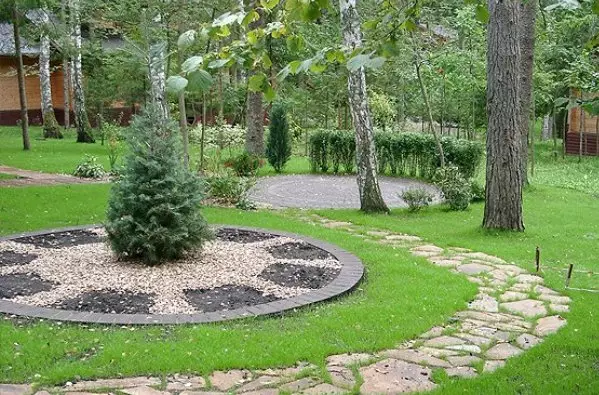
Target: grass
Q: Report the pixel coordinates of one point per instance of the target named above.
(7, 176)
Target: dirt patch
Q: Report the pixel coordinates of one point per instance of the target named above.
(242, 236)
(298, 251)
(62, 239)
(10, 258)
(227, 297)
(12, 285)
(290, 275)
(109, 301)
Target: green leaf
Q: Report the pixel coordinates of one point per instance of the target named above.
(192, 64)
(295, 43)
(366, 61)
(269, 4)
(409, 25)
(482, 13)
(560, 101)
(294, 66)
(256, 82)
(266, 60)
(186, 39)
(371, 24)
(175, 84)
(225, 19)
(318, 68)
(199, 81)
(218, 63)
(269, 92)
(311, 12)
(595, 7)
(250, 17)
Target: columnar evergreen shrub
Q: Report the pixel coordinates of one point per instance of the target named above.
(319, 151)
(278, 144)
(154, 207)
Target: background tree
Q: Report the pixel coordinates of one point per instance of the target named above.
(278, 147)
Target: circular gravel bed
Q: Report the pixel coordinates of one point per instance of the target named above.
(72, 274)
(328, 191)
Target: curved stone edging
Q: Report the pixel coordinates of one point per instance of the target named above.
(351, 274)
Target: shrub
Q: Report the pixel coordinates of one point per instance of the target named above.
(223, 136)
(416, 198)
(154, 207)
(245, 165)
(111, 133)
(477, 192)
(230, 190)
(455, 188)
(89, 168)
(278, 144)
(319, 151)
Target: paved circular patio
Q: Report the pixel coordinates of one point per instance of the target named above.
(328, 191)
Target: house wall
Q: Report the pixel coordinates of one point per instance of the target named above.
(590, 134)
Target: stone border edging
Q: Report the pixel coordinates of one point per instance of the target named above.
(352, 272)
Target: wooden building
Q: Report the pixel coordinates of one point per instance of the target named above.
(588, 142)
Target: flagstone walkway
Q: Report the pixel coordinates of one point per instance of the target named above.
(30, 178)
(512, 312)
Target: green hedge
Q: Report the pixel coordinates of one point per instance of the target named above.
(402, 154)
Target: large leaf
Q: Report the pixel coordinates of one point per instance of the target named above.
(176, 84)
(192, 64)
(565, 4)
(269, 92)
(269, 4)
(199, 81)
(225, 19)
(366, 61)
(256, 82)
(186, 39)
(482, 13)
(218, 63)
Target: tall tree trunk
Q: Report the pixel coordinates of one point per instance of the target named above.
(21, 78)
(51, 128)
(528, 16)
(371, 199)
(183, 113)
(547, 130)
(157, 77)
(84, 134)
(503, 204)
(254, 137)
(66, 72)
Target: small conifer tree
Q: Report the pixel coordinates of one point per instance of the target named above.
(154, 207)
(278, 145)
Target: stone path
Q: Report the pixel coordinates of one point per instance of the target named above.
(512, 312)
(327, 191)
(30, 178)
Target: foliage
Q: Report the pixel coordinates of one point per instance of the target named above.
(154, 208)
(245, 165)
(382, 108)
(112, 134)
(455, 188)
(278, 144)
(416, 198)
(477, 191)
(89, 168)
(218, 136)
(228, 189)
(403, 154)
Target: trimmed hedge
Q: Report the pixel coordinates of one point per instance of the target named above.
(402, 154)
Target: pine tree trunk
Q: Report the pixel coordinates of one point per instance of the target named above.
(51, 129)
(66, 72)
(371, 199)
(254, 137)
(503, 204)
(84, 134)
(528, 15)
(21, 78)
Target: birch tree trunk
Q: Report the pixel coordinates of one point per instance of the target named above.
(528, 16)
(503, 204)
(157, 77)
(51, 128)
(547, 128)
(254, 137)
(21, 78)
(84, 134)
(371, 199)
(66, 71)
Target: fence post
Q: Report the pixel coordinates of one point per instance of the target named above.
(538, 258)
(570, 269)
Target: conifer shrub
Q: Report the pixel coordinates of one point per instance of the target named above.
(154, 207)
(455, 188)
(278, 144)
(416, 198)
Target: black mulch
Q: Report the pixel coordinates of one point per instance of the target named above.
(298, 251)
(12, 285)
(227, 297)
(109, 301)
(9, 258)
(289, 275)
(242, 236)
(62, 239)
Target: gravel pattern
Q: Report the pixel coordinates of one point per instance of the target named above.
(84, 272)
(9, 257)
(227, 297)
(290, 275)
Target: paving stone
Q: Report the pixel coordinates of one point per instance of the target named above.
(438, 352)
(559, 308)
(39, 393)
(502, 351)
(114, 383)
(143, 390)
(324, 388)
(511, 296)
(425, 254)
(263, 391)
(462, 371)
(335, 224)
(459, 249)
(342, 376)
(300, 385)
(464, 360)
(185, 383)
(485, 316)
(428, 248)
(529, 279)
(526, 341)
(202, 393)
(499, 275)
(433, 332)
(377, 233)
(465, 347)
(443, 261)
(491, 366)
(260, 382)
(80, 393)
(485, 303)
(396, 237)
(443, 341)
(225, 380)
(287, 372)
(478, 340)
(475, 280)
(348, 359)
(527, 307)
(544, 290)
(511, 269)
(521, 287)
(392, 376)
(416, 356)
(473, 269)
(15, 389)
(484, 257)
(548, 325)
(556, 299)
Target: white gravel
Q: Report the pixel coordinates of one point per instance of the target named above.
(89, 267)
